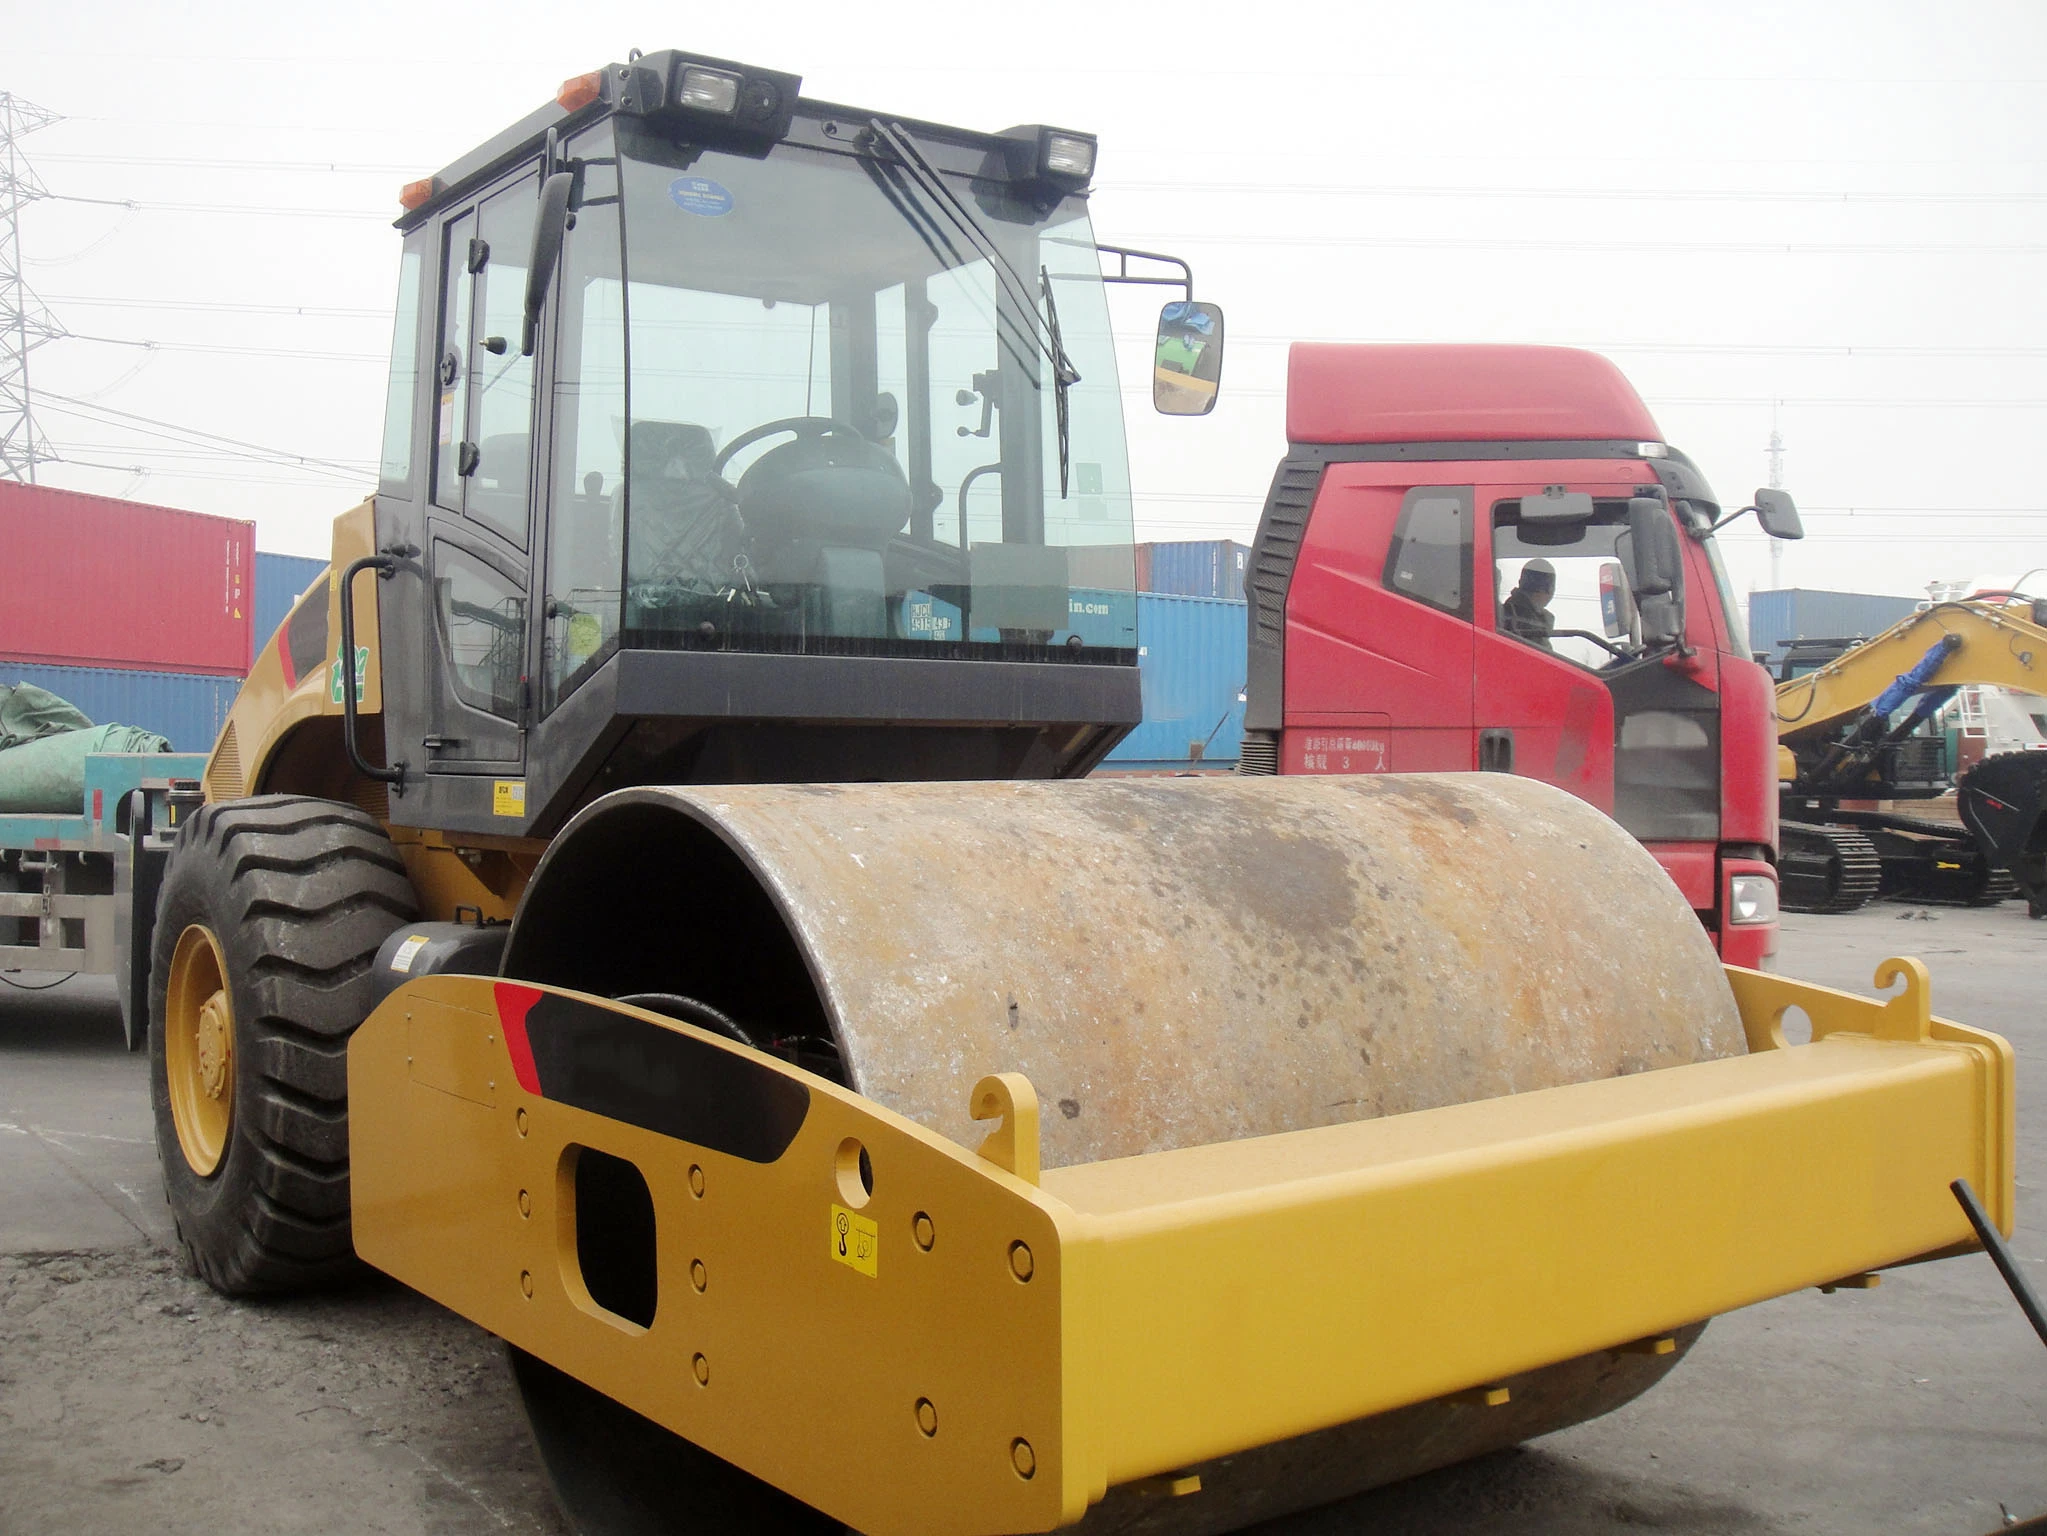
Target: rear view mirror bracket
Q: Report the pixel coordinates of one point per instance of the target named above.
(550, 226)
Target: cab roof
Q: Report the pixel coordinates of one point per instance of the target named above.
(1373, 392)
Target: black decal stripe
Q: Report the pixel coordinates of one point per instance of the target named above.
(663, 1080)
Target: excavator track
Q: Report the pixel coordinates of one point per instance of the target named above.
(1826, 869)
(1931, 861)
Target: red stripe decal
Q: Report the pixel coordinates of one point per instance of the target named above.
(514, 1003)
(291, 673)
(98, 810)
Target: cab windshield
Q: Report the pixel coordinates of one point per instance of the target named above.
(797, 410)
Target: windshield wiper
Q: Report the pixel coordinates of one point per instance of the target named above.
(1063, 372)
(1043, 327)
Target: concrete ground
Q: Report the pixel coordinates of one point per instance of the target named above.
(134, 1401)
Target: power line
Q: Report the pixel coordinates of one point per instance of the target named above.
(1171, 240)
(190, 162)
(223, 306)
(1700, 348)
(150, 426)
(224, 349)
(1571, 194)
(212, 209)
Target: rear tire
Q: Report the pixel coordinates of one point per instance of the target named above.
(267, 929)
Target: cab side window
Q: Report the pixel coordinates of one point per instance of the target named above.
(1429, 559)
(483, 426)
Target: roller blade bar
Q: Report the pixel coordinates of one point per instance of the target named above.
(1826, 869)
(2003, 801)
(985, 1341)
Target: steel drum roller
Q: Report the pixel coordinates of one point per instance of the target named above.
(1172, 962)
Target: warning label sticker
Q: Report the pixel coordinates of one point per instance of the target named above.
(855, 1240)
(508, 797)
(401, 960)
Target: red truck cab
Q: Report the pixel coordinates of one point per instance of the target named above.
(1422, 485)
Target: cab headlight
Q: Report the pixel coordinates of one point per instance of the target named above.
(1752, 899)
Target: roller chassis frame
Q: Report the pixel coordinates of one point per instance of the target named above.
(1013, 1343)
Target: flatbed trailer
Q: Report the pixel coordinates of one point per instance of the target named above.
(71, 884)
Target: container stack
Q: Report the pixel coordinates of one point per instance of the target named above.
(281, 580)
(1194, 568)
(1795, 613)
(138, 615)
(1190, 662)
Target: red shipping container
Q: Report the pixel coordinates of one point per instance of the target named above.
(88, 581)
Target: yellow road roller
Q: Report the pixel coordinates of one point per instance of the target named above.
(649, 898)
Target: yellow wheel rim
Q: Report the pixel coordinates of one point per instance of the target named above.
(199, 1049)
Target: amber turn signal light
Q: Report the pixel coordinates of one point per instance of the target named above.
(579, 91)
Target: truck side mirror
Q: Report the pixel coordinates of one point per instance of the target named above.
(1659, 571)
(1778, 515)
(550, 225)
(1187, 360)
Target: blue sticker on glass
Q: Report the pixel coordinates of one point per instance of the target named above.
(700, 195)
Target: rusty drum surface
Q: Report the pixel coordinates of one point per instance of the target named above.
(1174, 962)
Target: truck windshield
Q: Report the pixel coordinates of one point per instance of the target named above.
(1559, 585)
(1590, 572)
(796, 412)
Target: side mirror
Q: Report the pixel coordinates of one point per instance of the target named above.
(1557, 505)
(1778, 515)
(550, 225)
(1659, 587)
(1187, 361)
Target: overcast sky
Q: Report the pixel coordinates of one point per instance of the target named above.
(1827, 217)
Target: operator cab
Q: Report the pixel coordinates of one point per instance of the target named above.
(737, 437)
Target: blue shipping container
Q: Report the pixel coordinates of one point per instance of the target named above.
(1190, 661)
(280, 579)
(1798, 614)
(1197, 568)
(187, 707)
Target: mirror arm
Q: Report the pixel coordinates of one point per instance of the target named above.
(1184, 282)
(550, 229)
(1716, 527)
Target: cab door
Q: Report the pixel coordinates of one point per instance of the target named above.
(1378, 628)
(1542, 710)
(479, 522)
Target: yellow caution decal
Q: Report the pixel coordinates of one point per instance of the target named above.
(856, 1241)
(508, 797)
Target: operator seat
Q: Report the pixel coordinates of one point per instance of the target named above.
(823, 509)
(685, 528)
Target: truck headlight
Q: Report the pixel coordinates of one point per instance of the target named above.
(1752, 899)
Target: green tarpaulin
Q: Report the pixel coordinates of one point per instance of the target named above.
(44, 743)
(28, 712)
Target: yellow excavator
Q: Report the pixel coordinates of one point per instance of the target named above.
(647, 898)
(1858, 723)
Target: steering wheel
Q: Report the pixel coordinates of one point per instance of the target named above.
(802, 426)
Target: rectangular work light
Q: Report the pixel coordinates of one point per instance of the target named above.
(1056, 159)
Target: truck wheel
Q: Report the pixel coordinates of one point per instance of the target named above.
(267, 926)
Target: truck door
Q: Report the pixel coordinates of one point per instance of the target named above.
(1379, 614)
(1540, 701)
(478, 525)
